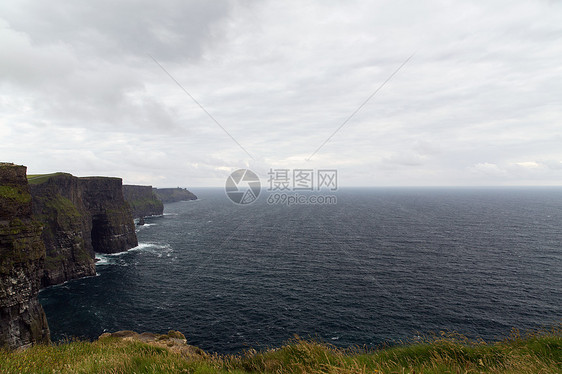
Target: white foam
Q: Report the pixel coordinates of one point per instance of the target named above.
(153, 245)
(101, 259)
(155, 215)
(148, 224)
(105, 259)
(145, 225)
(154, 248)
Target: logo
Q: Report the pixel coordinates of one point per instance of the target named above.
(243, 186)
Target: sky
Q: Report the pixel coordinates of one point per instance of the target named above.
(182, 93)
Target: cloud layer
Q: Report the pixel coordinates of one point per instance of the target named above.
(478, 103)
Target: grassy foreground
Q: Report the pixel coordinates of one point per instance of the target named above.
(538, 352)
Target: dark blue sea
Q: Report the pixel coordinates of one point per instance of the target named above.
(379, 266)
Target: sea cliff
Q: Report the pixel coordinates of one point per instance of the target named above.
(22, 256)
(80, 216)
(51, 226)
(172, 195)
(58, 204)
(113, 229)
(143, 201)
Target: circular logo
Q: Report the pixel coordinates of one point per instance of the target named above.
(243, 186)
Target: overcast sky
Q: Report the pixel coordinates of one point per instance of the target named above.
(478, 103)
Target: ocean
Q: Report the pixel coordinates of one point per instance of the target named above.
(380, 266)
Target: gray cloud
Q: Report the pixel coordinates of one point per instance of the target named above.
(478, 103)
(118, 30)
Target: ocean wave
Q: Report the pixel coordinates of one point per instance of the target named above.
(145, 246)
(110, 258)
(102, 260)
(141, 227)
(153, 248)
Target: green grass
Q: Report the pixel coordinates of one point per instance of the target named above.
(41, 178)
(140, 206)
(538, 352)
(62, 207)
(16, 194)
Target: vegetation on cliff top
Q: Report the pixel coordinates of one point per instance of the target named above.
(445, 353)
(171, 195)
(41, 178)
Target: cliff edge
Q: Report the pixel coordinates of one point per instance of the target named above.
(80, 216)
(143, 201)
(58, 204)
(22, 256)
(113, 228)
(171, 195)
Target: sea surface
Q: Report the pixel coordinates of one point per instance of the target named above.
(381, 265)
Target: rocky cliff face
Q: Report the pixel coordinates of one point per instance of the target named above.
(143, 201)
(171, 195)
(80, 216)
(22, 255)
(58, 204)
(52, 242)
(113, 229)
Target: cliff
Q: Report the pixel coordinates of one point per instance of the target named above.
(58, 204)
(113, 229)
(49, 231)
(171, 195)
(80, 216)
(22, 256)
(143, 201)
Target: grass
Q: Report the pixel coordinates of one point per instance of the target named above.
(41, 178)
(536, 352)
(146, 205)
(15, 194)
